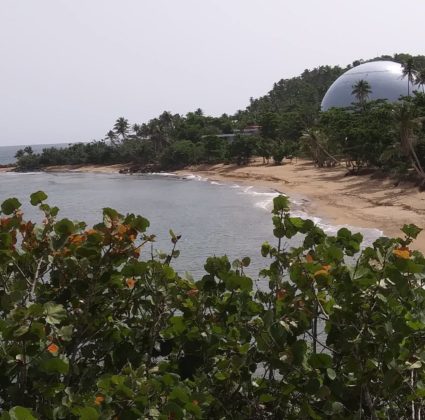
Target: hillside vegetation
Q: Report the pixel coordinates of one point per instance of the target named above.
(285, 122)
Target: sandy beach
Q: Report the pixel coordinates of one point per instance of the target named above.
(360, 201)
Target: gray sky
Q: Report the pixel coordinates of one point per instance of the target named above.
(69, 68)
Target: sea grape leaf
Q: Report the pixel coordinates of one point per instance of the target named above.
(320, 360)
(10, 205)
(21, 413)
(411, 230)
(55, 313)
(38, 197)
(55, 365)
(64, 227)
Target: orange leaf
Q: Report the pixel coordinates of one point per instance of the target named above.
(122, 229)
(320, 273)
(192, 292)
(131, 283)
(77, 239)
(403, 253)
(53, 348)
(99, 399)
(136, 253)
(280, 294)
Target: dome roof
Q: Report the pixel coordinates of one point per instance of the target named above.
(384, 77)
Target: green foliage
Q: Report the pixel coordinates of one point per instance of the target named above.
(370, 133)
(178, 154)
(242, 148)
(93, 327)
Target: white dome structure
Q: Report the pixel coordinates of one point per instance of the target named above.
(384, 77)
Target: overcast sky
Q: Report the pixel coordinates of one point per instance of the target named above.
(69, 68)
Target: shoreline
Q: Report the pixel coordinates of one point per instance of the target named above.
(359, 201)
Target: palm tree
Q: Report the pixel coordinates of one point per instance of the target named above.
(122, 127)
(408, 121)
(112, 137)
(136, 129)
(409, 71)
(420, 79)
(361, 91)
(318, 144)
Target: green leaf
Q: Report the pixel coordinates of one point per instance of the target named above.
(54, 366)
(21, 413)
(331, 373)
(177, 325)
(136, 268)
(86, 413)
(5, 240)
(10, 205)
(179, 393)
(265, 249)
(246, 261)
(140, 224)
(280, 203)
(23, 329)
(221, 376)
(55, 313)
(411, 230)
(416, 365)
(38, 197)
(168, 272)
(64, 227)
(265, 398)
(320, 361)
(297, 222)
(66, 332)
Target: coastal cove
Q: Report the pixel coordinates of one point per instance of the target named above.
(326, 195)
(354, 201)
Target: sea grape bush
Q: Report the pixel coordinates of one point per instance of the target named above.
(94, 326)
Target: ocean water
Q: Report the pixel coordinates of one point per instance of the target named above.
(7, 153)
(213, 218)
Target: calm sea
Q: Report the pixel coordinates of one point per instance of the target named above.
(213, 218)
(7, 153)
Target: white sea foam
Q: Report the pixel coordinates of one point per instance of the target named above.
(369, 234)
(195, 177)
(162, 174)
(264, 201)
(20, 173)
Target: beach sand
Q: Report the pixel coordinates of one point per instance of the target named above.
(359, 201)
(95, 169)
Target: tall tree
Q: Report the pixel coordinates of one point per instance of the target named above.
(409, 72)
(112, 137)
(122, 127)
(136, 129)
(420, 79)
(408, 122)
(361, 90)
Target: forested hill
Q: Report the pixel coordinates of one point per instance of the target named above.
(274, 125)
(299, 98)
